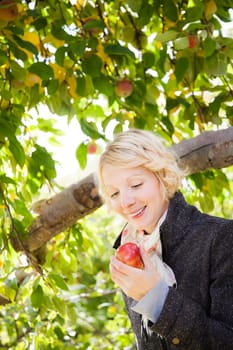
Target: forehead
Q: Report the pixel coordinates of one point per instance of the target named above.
(113, 175)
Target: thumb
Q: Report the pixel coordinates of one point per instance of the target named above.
(145, 256)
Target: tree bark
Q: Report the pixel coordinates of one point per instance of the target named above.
(211, 149)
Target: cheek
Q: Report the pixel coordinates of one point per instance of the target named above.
(114, 205)
(150, 193)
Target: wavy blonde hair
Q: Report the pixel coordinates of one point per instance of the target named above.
(141, 148)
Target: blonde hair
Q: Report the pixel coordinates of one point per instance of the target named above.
(140, 148)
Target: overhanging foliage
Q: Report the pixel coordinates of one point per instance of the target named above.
(160, 65)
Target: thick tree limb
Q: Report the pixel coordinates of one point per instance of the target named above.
(60, 212)
(212, 149)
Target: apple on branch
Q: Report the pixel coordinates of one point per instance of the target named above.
(129, 253)
(92, 147)
(8, 10)
(193, 41)
(124, 88)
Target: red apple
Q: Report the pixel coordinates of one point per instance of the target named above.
(129, 254)
(124, 88)
(91, 148)
(8, 10)
(193, 41)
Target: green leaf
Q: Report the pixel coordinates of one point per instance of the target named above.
(170, 10)
(40, 23)
(58, 32)
(17, 150)
(37, 297)
(3, 57)
(90, 129)
(17, 70)
(95, 111)
(103, 85)
(167, 36)
(84, 86)
(148, 59)
(181, 67)
(181, 43)
(34, 96)
(144, 14)
(216, 65)
(6, 127)
(15, 29)
(195, 13)
(81, 155)
(58, 280)
(43, 70)
(117, 49)
(42, 162)
(78, 47)
(26, 45)
(52, 86)
(167, 122)
(60, 55)
(81, 86)
(20, 54)
(92, 65)
(6, 94)
(209, 46)
(171, 103)
(6, 179)
(60, 305)
(197, 179)
(134, 5)
(206, 202)
(94, 24)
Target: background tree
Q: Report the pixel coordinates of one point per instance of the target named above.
(162, 65)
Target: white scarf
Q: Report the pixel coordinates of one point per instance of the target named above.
(152, 245)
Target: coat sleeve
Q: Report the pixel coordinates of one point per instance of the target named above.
(188, 325)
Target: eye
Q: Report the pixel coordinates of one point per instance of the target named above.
(114, 194)
(137, 185)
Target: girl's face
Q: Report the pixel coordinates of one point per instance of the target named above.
(135, 194)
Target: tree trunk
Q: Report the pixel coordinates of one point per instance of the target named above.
(212, 149)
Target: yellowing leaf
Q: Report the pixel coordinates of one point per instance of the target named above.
(59, 72)
(72, 85)
(101, 53)
(210, 9)
(33, 38)
(80, 4)
(50, 39)
(32, 79)
(4, 104)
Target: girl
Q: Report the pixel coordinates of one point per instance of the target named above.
(183, 298)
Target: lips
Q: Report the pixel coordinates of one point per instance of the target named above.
(138, 213)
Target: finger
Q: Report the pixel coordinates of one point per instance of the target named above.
(123, 268)
(145, 256)
(117, 276)
(115, 266)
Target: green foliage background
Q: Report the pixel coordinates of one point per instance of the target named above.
(70, 57)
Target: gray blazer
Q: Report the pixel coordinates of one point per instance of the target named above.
(198, 314)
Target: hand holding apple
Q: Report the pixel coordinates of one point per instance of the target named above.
(135, 282)
(129, 253)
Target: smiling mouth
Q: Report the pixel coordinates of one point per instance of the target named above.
(138, 213)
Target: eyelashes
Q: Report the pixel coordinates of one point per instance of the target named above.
(113, 195)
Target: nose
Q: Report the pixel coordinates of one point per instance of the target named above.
(127, 199)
